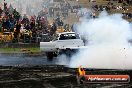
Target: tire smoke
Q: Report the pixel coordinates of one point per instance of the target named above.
(108, 44)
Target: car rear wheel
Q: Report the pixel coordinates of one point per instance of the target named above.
(49, 55)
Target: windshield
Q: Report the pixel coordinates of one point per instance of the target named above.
(69, 36)
(6, 33)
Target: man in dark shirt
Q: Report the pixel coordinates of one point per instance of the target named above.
(18, 27)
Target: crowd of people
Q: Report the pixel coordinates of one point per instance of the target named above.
(63, 8)
(115, 5)
(29, 29)
(24, 28)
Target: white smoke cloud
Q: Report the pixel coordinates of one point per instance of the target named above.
(62, 60)
(108, 46)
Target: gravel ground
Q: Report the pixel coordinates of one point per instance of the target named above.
(51, 76)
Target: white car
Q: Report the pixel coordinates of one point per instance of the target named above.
(62, 43)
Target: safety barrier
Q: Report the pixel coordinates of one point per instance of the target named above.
(18, 45)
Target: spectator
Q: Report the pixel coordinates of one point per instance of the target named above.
(53, 28)
(18, 27)
(0, 25)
